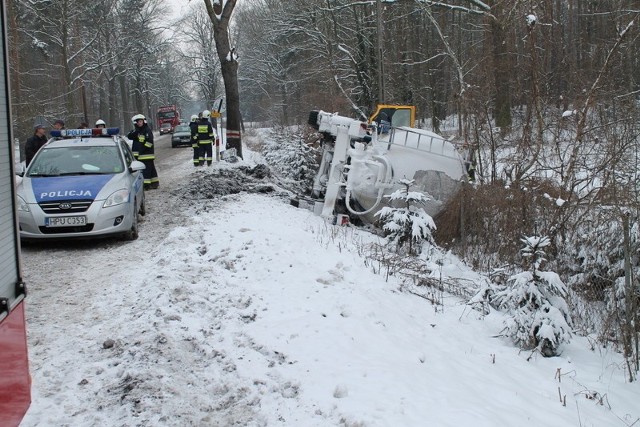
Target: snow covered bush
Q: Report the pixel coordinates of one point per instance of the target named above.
(538, 313)
(407, 224)
(597, 272)
(290, 153)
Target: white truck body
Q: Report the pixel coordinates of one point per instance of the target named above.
(363, 168)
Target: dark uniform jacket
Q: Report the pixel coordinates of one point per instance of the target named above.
(194, 133)
(205, 132)
(142, 146)
(32, 146)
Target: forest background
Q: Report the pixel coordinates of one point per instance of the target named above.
(542, 95)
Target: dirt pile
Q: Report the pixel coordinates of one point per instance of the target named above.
(208, 183)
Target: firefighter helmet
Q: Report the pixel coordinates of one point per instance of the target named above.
(100, 122)
(206, 114)
(194, 117)
(138, 117)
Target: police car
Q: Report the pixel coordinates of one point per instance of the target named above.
(82, 183)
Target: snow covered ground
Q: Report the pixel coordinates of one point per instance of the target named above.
(239, 309)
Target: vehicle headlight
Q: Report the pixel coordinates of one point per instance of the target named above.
(22, 205)
(117, 198)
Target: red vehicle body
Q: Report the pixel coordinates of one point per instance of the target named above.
(168, 114)
(15, 381)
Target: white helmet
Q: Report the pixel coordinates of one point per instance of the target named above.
(100, 122)
(194, 117)
(138, 117)
(206, 114)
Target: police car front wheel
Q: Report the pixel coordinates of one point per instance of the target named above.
(132, 233)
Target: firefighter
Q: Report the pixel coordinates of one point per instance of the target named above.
(193, 125)
(142, 138)
(206, 137)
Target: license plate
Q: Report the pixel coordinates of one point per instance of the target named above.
(65, 221)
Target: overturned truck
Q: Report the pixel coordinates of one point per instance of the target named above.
(362, 164)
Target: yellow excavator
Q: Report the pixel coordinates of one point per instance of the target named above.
(394, 115)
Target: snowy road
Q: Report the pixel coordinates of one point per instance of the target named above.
(145, 332)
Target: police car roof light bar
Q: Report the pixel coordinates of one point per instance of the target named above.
(85, 132)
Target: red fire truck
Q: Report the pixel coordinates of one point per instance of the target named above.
(15, 382)
(168, 114)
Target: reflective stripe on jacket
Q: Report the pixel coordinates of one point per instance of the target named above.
(142, 143)
(205, 134)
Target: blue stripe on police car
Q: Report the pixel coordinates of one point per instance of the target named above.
(86, 187)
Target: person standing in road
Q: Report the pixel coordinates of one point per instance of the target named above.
(101, 124)
(34, 143)
(58, 125)
(142, 146)
(193, 125)
(206, 137)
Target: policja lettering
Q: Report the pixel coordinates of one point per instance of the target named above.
(66, 193)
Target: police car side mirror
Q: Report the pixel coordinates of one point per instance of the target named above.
(136, 165)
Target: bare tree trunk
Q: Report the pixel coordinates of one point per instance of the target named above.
(628, 330)
(112, 86)
(64, 60)
(14, 74)
(126, 109)
(220, 18)
(502, 103)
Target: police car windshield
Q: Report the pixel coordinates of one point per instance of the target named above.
(86, 160)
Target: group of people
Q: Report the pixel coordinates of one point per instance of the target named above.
(203, 137)
(39, 137)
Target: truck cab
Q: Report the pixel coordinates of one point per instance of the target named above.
(387, 116)
(168, 118)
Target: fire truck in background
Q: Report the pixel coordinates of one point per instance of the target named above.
(15, 381)
(169, 116)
